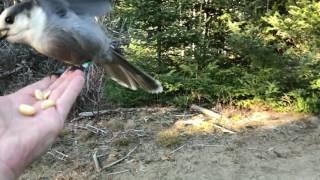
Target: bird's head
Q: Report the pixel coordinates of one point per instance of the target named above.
(16, 21)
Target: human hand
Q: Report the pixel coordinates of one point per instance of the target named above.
(22, 138)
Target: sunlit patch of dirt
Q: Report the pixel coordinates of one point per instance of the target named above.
(166, 143)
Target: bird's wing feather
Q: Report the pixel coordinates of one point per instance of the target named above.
(59, 7)
(90, 7)
(80, 7)
(127, 75)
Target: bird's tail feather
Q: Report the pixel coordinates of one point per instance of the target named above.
(127, 75)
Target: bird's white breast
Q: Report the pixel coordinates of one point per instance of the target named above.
(36, 36)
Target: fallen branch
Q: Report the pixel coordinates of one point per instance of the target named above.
(119, 110)
(95, 113)
(184, 115)
(97, 130)
(96, 161)
(120, 160)
(206, 111)
(76, 119)
(206, 145)
(223, 129)
(214, 115)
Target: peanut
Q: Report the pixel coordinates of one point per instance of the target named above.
(46, 94)
(47, 104)
(38, 94)
(27, 110)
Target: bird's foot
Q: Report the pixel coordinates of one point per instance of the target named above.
(74, 68)
(60, 71)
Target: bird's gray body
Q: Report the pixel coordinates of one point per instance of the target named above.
(76, 41)
(66, 30)
(73, 38)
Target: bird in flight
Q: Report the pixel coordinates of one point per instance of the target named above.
(67, 31)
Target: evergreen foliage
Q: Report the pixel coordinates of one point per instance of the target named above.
(248, 53)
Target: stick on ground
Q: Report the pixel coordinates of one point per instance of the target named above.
(223, 129)
(120, 160)
(96, 162)
(206, 112)
(178, 149)
(116, 173)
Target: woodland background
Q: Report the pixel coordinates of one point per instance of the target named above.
(248, 54)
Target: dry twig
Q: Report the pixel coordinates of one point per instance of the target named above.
(119, 110)
(214, 115)
(206, 112)
(96, 161)
(120, 160)
(207, 145)
(76, 119)
(179, 148)
(116, 173)
(223, 129)
(59, 155)
(91, 128)
(97, 130)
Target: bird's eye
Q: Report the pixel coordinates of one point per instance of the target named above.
(9, 20)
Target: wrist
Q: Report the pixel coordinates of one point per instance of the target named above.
(6, 173)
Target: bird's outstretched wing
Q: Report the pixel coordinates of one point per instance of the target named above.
(127, 75)
(90, 7)
(80, 7)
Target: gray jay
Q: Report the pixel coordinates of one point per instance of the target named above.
(65, 30)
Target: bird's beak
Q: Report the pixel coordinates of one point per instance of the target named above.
(4, 33)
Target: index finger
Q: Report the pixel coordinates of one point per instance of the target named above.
(70, 94)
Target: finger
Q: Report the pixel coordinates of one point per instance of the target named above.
(60, 80)
(62, 84)
(58, 91)
(42, 84)
(67, 85)
(70, 94)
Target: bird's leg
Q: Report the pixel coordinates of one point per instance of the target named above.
(84, 67)
(74, 68)
(60, 71)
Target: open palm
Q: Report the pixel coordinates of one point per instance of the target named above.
(22, 138)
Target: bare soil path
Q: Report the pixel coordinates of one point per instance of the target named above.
(264, 146)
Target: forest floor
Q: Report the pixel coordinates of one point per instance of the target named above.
(165, 143)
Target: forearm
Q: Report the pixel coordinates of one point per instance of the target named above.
(6, 169)
(6, 173)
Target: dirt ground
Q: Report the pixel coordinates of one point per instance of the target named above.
(165, 144)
